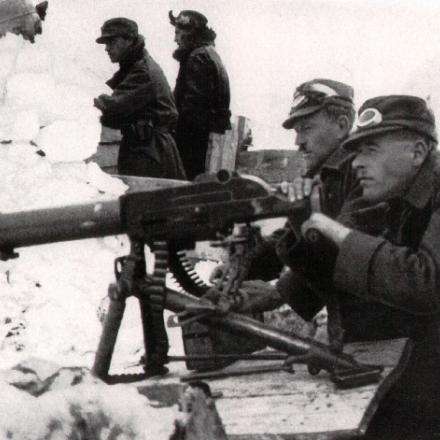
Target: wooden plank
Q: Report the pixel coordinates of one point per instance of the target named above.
(273, 166)
(281, 405)
(285, 406)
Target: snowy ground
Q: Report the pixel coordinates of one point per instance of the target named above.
(51, 294)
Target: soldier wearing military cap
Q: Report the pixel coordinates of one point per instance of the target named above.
(141, 105)
(202, 89)
(322, 116)
(396, 162)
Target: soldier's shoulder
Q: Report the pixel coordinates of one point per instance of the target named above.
(203, 53)
(339, 160)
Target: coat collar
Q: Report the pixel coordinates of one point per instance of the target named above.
(421, 189)
(136, 53)
(336, 161)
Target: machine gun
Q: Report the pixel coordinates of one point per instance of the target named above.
(167, 220)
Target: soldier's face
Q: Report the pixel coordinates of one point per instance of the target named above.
(317, 137)
(183, 38)
(116, 48)
(385, 166)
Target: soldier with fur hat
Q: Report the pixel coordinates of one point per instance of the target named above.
(141, 105)
(202, 89)
(396, 162)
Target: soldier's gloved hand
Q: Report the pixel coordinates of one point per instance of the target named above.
(99, 102)
(257, 296)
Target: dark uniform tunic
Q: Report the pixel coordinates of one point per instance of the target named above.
(202, 97)
(340, 196)
(142, 107)
(401, 269)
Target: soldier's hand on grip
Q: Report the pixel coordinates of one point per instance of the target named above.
(299, 189)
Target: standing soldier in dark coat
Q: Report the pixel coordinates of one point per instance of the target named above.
(202, 90)
(141, 105)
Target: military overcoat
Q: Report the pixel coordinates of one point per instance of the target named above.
(142, 107)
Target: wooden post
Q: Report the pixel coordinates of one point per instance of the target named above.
(106, 155)
(273, 166)
(223, 148)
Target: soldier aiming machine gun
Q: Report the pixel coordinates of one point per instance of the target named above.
(168, 220)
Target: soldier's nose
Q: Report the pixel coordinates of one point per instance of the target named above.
(358, 162)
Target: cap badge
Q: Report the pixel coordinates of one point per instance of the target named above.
(324, 89)
(370, 116)
(298, 100)
(184, 20)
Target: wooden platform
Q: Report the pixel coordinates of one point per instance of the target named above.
(280, 405)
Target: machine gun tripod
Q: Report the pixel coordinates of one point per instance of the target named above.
(132, 280)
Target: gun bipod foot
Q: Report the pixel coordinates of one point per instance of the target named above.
(155, 370)
(123, 378)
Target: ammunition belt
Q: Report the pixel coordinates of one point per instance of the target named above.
(152, 302)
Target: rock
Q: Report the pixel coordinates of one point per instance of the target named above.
(30, 375)
(38, 376)
(42, 401)
(200, 419)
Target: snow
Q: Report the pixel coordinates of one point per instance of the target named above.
(51, 294)
(63, 414)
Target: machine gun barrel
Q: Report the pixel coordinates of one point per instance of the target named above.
(65, 223)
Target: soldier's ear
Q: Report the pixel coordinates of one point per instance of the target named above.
(420, 152)
(344, 126)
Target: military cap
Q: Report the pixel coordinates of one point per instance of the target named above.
(314, 95)
(188, 20)
(117, 27)
(385, 114)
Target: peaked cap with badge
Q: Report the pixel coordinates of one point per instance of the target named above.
(314, 95)
(385, 114)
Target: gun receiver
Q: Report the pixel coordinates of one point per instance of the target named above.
(202, 210)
